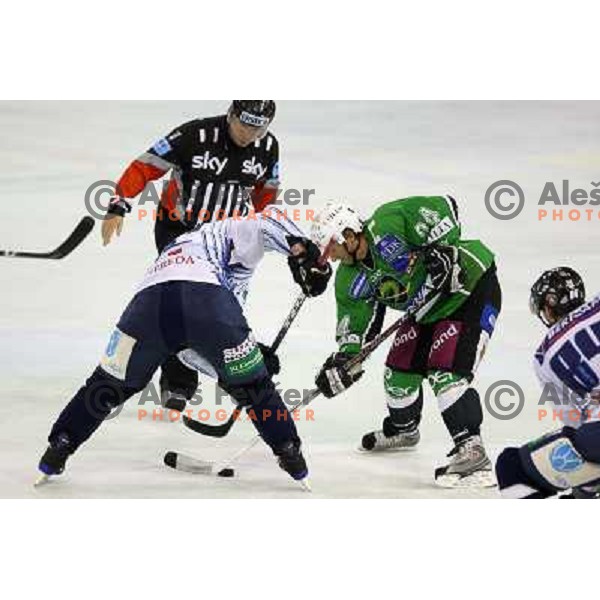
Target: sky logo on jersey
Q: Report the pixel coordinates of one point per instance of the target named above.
(251, 167)
(394, 252)
(565, 459)
(162, 147)
(209, 163)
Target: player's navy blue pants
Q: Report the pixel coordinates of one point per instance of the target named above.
(160, 321)
(175, 376)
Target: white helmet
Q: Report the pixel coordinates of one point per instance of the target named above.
(331, 222)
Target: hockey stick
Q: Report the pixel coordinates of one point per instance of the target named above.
(220, 431)
(288, 322)
(189, 464)
(197, 466)
(79, 234)
(370, 347)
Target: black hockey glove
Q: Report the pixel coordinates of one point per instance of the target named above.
(306, 270)
(118, 206)
(271, 359)
(441, 264)
(333, 378)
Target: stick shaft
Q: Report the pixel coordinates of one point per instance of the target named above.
(288, 322)
(84, 227)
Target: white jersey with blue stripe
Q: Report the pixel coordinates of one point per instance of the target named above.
(567, 364)
(224, 253)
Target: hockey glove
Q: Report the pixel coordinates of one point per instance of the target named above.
(118, 206)
(441, 264)
(271, 359)
(311, 276)
(334, 378)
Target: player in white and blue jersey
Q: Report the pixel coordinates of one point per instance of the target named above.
(568, 361)
(191, 298)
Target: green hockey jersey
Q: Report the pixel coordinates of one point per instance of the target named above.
(394, 273)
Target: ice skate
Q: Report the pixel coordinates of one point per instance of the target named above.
(290, 459)
(53, 460)
(389, 438)
(587, 492)
(469, 467)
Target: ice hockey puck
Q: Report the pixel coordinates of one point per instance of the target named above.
(171, 459)
(227, 472)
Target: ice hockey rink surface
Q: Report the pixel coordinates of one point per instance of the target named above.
(56, 316)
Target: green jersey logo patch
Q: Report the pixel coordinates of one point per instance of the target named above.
(243, 360)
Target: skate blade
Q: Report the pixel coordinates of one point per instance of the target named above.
(400, 449)
(305, 484)
(478, 480)
(41, 480)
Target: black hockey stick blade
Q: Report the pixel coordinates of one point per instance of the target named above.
(217, 431)
(182, 462)
(79, 234)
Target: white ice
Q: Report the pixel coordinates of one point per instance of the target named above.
(55, 317)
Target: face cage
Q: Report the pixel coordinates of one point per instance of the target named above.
(537, 308)
(534, 307)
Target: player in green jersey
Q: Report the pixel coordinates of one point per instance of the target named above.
(410, 253)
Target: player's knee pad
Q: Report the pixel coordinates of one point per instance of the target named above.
(402, 389)
(513, 481)
(459, 404)
(404, 399)
(557, 462)
(447, 387)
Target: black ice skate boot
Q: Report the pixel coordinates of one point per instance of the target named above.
(290, 459)
(53, 461)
